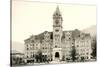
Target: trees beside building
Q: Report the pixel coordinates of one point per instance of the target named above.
(73, 54)
(40, 57)
(94, 48)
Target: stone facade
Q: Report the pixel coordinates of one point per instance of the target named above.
(57, 45)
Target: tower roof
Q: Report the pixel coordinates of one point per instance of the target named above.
(57, 12)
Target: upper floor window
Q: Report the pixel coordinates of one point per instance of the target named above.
(32, 41)
(43, 47)
(57, 21)
(87, 53)
(27, 48)
(33, 44)
(56, 35)
(77, 45)
(27, 45)
(56, 30)
(87, 57)
(56, 46)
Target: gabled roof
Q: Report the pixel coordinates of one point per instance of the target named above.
(57, 12)
(74, 34)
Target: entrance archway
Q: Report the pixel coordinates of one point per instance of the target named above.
(57, 55)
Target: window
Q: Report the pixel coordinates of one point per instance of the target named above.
(33, 55)
(87, 53)
(87, 57)
(56, 46)
(57, 21)
(27, 45)
(56, 30)
(27, 48)
(57, 36)
(32, 41)
(77, 45)
(43, 47)
(56, 13)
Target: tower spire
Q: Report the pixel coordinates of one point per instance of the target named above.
(57, 9)
(57, 12)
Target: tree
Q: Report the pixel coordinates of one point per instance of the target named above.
(63, 58)
(36, 57)
(94, 49)
(39, 56)
(82, 59)
(73, 53)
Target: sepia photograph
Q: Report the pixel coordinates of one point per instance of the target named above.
(45, 33)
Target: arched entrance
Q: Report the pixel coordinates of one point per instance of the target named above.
(57, 55)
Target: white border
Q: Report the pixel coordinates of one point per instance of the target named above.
(5, 32)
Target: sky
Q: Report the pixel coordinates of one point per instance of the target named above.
(35, 17)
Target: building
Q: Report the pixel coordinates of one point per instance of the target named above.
(16, 57)
(57, 45)
(83, 46)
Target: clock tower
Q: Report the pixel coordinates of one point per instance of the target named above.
(57, 34)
